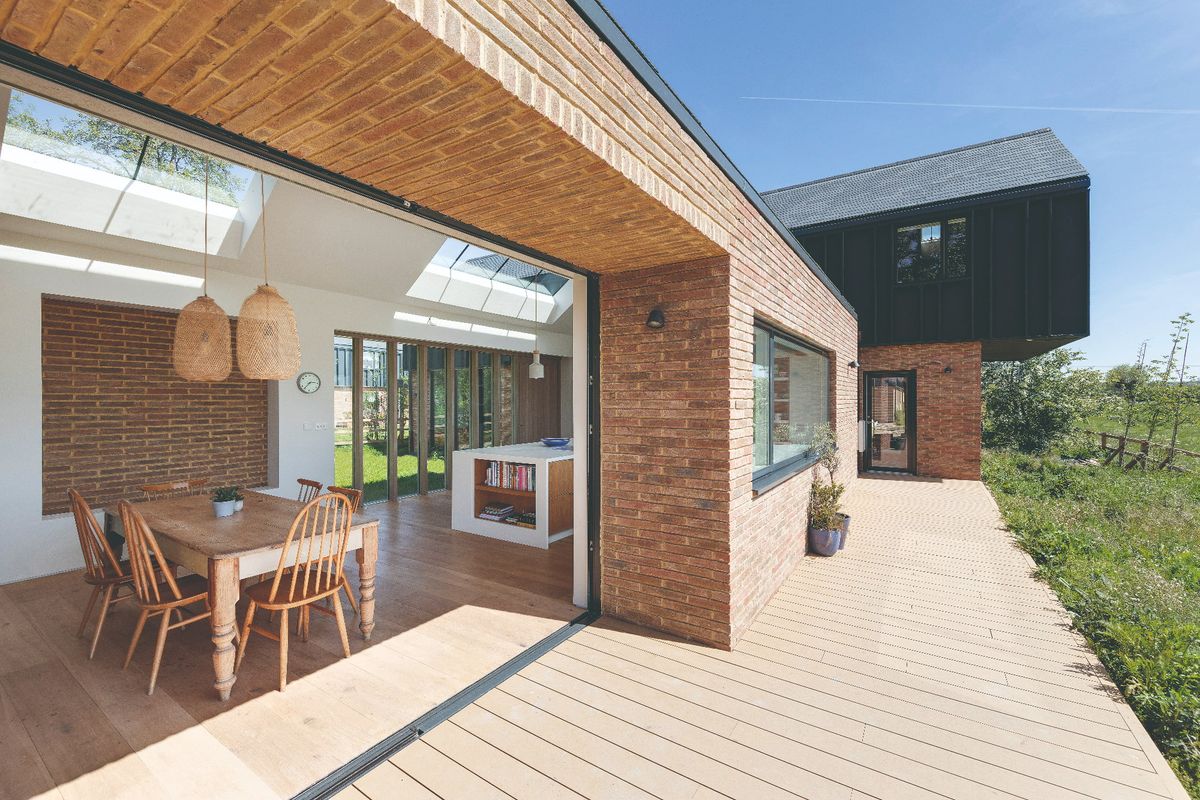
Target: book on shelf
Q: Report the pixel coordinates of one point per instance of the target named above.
(496, 511)
(526, 519)
(506, 475)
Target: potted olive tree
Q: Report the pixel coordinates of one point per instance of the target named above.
(827, 525)
(224, 499)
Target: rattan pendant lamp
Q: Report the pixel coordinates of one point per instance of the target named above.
(268, 345)
(201, 349)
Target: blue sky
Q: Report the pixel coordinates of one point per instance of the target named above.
(1125, 54)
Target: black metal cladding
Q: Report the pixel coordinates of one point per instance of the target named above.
(1026, 287)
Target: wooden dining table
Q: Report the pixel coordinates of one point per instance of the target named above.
(246, 544)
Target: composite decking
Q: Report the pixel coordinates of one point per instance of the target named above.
(450, 607)
(923, 661)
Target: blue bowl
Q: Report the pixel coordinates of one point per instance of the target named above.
(555, 442)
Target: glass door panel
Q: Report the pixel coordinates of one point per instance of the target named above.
(343, 411)
(436, 462)
(890, 422)
(505, 407)
(486, 431)
(374, 421)
(408, 395)
(462, 399)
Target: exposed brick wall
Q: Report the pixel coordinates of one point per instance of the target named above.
(115, 415)
(949, 404)
(664, 468)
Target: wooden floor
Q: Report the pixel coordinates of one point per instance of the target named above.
(451, 607)
(921, 662)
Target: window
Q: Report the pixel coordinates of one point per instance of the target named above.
(791, 401)
(931, 251)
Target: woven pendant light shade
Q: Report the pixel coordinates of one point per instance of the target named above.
(201, 348)
(268, 346)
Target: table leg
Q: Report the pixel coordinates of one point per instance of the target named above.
(223, 592)
(367, 555)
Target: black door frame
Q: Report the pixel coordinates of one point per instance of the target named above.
(910, 417)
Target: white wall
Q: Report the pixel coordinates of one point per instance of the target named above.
(33, 545)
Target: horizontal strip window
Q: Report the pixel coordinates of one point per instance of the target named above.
(791, 402)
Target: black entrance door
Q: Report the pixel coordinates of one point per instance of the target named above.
(891, 411)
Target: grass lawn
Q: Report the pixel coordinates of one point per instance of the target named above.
(1122, 550)
(375, 471)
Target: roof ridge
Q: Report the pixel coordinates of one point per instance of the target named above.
(912, 160)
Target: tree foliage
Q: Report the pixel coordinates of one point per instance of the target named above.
(119, 149)
(1029, 405)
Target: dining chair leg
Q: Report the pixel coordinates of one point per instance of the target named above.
(349, 593)
(245, 637)
(104, 604)
(87, 612)
(307, 621)
(283, 645)
(341, 623)
(163, 628)
(137, 635)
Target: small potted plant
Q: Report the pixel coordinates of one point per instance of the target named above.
(827, 525)
(224, 500)
(239, 501)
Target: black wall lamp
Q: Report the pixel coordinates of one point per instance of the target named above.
(853, 364)
(656, 319)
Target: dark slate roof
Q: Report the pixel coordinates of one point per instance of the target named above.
(1014, 162)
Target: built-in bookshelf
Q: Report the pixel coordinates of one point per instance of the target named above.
(506, 492)
(521, 493)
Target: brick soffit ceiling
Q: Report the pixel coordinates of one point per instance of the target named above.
(363, 90)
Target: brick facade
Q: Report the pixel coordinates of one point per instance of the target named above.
(949, 404)
(115, 415)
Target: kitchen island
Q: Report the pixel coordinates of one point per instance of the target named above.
(520, 493)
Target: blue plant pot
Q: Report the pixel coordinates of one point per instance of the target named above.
(824, 543)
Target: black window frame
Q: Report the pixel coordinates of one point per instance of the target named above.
(943, 221)
(771, 475)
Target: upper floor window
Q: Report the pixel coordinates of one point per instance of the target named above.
(931, 251)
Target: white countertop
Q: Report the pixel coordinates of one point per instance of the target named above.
(532, 452)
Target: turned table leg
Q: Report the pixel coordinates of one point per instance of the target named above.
(223, 592)
(367, 555)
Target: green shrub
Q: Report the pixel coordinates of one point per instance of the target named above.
(1122, 550)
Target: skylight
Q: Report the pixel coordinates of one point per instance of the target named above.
(471, 277)
(66, 167)
(89, 141)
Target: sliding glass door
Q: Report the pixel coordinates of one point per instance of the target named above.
(400, 409)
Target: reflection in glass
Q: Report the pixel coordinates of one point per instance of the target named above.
(956, 248)
(919, 252)
(343, 411)
(799, 400)
(486, 432)
(887, 396)
(462, 399)
(436, 463)
(762, 405)
(374, 421)
(408, 394)
(504, 399)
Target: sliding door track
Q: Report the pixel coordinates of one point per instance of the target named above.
(348, 773)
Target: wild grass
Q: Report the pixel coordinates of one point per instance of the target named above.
(1122, 550)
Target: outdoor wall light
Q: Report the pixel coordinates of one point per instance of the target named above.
(948, 369)
(853, 364)
(656, 319)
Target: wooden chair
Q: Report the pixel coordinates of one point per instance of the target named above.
(159, 491)
(317, 543)
(103, 571)
(308, 489)
(355, 497)
(168, 597)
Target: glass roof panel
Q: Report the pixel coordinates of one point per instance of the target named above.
(75, 137)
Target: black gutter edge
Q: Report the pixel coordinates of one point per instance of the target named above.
(73, 79)
(610, 32)
(966, 201)
(348, 773)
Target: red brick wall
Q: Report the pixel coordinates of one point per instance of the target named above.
(115, 415)
(664, 472)
(949, 404)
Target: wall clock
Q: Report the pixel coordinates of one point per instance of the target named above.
(308, 382)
